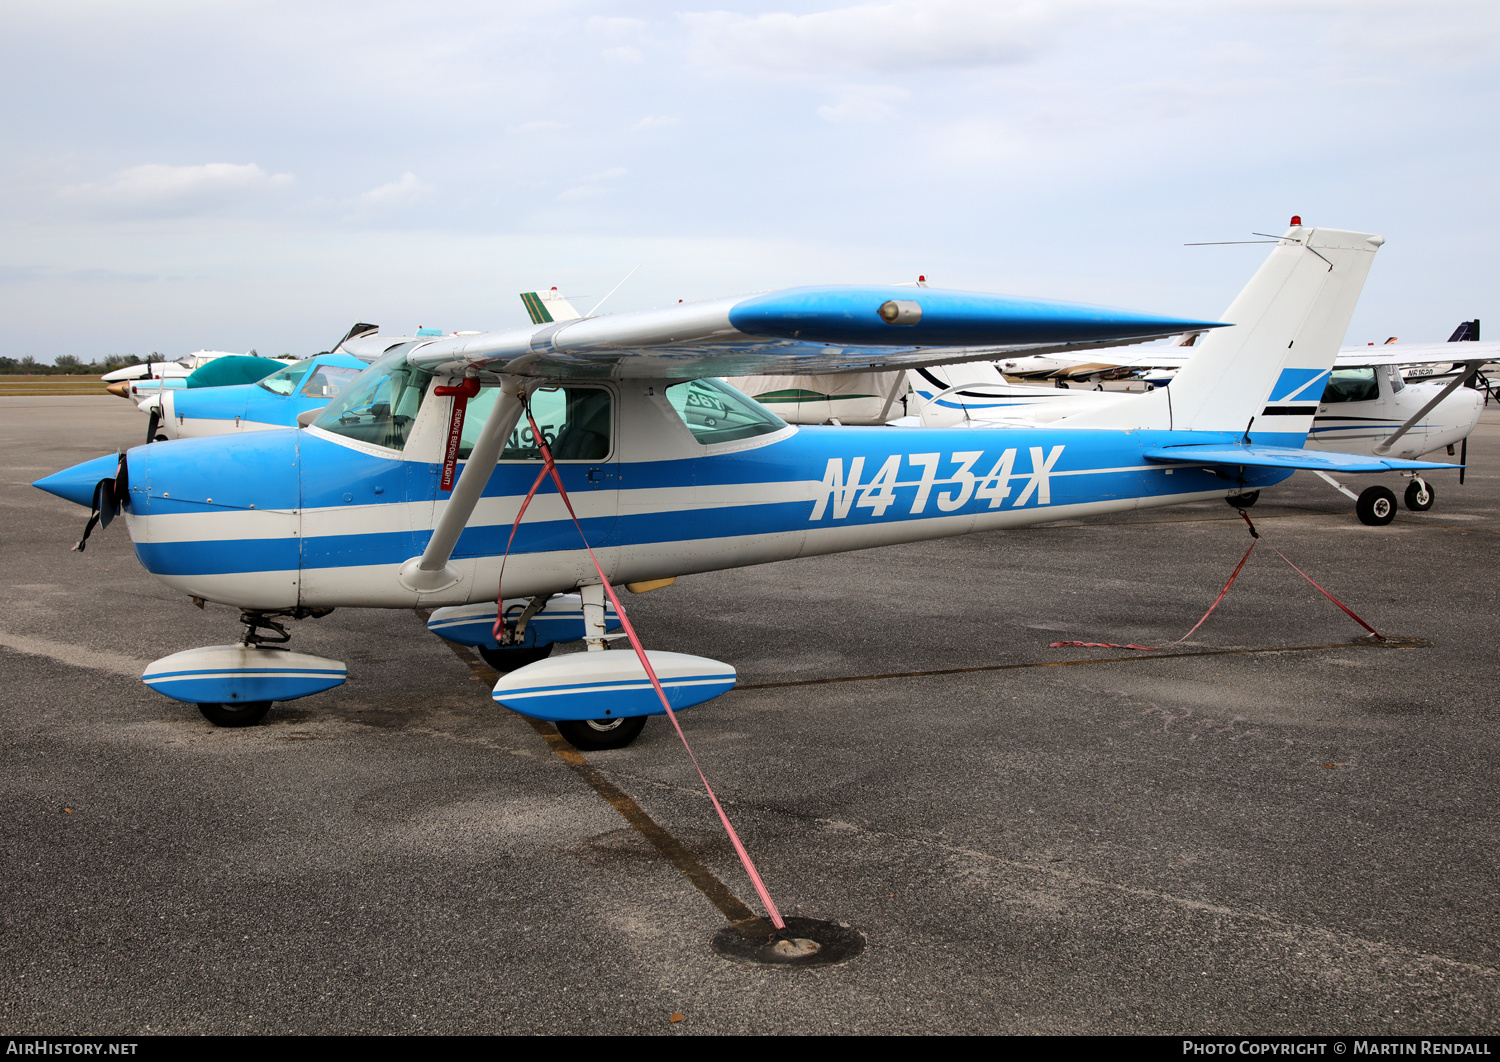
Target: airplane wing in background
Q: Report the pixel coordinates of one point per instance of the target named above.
(798, 331)
(1417, 354)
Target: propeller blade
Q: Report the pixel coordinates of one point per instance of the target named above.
(1463, 460)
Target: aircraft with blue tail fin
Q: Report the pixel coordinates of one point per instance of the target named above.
(407, 489)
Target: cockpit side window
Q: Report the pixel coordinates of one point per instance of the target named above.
(381, 405)
(1352, 385)
(717, 413)
(575, 422)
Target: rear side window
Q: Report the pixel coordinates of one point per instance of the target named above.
(717, 413)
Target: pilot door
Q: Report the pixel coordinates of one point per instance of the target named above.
(579, 424)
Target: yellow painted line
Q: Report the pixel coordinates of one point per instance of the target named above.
(670, 848)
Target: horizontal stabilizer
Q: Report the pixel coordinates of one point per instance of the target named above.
(1283, 457)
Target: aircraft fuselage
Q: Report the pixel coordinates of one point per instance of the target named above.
(282, 518)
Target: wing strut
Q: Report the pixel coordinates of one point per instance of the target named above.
(430, 573)
(1384, 445)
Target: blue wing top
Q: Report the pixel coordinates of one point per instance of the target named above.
(794, 331)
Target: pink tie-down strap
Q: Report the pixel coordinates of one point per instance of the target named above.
(549, 468)
(1254, 539)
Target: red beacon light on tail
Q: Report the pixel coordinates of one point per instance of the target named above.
(1296, 220)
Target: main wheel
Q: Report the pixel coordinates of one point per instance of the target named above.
(1376, 506)
(235, 713)
(1419, 496)
(590, 734)
(1243, 501)
(510, 657)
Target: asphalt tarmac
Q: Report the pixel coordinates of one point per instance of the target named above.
(1295, 837)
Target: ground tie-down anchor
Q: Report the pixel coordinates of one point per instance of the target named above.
(804, 942)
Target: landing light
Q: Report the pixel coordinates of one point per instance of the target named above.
(900, 312)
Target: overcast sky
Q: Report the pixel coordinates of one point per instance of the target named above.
(261, 174)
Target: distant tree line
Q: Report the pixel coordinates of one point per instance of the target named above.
(69, 365)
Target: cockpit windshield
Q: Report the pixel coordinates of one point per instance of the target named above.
(381, 405)
(329, 381)
(286, 380)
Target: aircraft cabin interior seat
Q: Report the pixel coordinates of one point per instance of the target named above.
(586, 436)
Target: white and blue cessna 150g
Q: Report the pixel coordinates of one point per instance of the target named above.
(672, 471)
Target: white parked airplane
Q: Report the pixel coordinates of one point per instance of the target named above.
(1363, 406)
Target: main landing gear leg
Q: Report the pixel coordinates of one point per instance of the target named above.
(1375, 506)
(589, 735)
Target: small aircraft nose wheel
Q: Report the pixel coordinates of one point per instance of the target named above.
(235, 713)
(1419, 496)
(510, 657)
(1243, 501)
(1376, 506)
(587, 735)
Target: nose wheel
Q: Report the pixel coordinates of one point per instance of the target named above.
(1419, 496)
(235, 713)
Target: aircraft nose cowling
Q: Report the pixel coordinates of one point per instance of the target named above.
(253, 471)
(77, 484)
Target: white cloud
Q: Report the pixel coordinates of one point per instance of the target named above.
(864, 103)
(590, 187)
(155, 189)
(906, 35)
(397, 193)
(653, 121)
(615, 26)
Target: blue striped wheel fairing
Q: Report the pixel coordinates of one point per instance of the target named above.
(231, 685)
(611, 699)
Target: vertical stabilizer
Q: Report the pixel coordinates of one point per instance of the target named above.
(545, 307)
(1272, 366)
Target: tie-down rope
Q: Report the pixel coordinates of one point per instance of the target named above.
(1254, 541)
(549, 468)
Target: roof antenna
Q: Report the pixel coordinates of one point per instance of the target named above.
(612, 290)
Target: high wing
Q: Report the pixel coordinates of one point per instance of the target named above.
(793, 332)
(1417, 354)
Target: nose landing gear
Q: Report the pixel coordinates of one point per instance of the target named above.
(1419, 495)
(234, 685)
